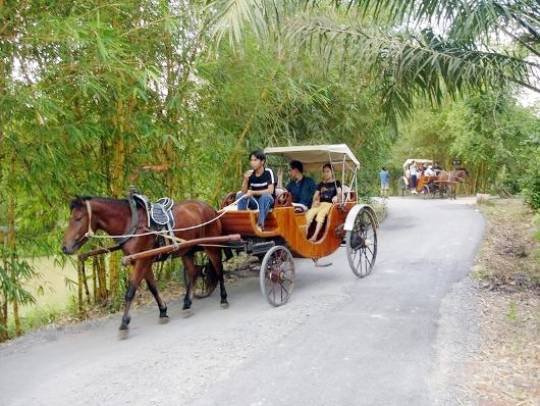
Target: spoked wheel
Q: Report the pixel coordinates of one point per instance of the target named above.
(206, 280)
(276, 276)
(443, 191)
(361, 243)
(426, 192)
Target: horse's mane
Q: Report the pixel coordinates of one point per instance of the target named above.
(79, 201)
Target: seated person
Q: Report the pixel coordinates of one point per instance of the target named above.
(327, 193)
(258, 187)
(300, 187)
(429, 171)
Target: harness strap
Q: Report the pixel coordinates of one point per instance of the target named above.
(90, 232)
(134, 221)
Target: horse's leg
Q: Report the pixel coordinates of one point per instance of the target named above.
(151, 283)
(190, 272)
(214, 254)
(139, 270)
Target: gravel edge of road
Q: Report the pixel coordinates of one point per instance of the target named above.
(458, 340)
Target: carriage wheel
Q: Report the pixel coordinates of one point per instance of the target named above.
(206, 280)
(443, 191)
(403, 185)
(276, 277)
(426, 192)
(361, 243)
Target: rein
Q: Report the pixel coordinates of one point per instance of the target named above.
(131, 234)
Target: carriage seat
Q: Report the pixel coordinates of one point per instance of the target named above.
(300, 208)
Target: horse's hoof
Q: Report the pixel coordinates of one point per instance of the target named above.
(123, 333)
(163, 319)
(187, 313)
(225, 305)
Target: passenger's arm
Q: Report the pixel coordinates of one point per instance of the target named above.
(245, 181)
(338, 197)
(270, 189)
(316, 199)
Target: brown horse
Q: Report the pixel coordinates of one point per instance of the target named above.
(113, 216)
(456, 175)
(451, 179)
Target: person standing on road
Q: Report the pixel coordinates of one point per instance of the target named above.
(384, 177)
(414, 173)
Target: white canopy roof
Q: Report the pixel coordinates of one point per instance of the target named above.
(418, 161)
(316, 155)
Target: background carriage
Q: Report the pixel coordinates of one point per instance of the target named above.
(441, 185)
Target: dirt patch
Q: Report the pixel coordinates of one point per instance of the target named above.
(509, 259)
(506, 368)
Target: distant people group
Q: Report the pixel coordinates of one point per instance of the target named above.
(414, 172)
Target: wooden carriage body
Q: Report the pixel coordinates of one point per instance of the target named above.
(289, 225)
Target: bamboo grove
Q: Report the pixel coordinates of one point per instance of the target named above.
(98, 96)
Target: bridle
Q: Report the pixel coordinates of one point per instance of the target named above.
(90, 232)
(122, 239)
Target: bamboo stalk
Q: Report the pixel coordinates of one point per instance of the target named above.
(80, 265)
(3, 321)
(11, 244)
(94, 280)
(85, 283)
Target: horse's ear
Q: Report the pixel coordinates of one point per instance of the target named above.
(75, 203)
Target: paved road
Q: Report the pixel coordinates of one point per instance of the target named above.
(339, 341)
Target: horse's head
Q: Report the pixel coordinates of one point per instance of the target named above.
(76, 233)
(461, 174)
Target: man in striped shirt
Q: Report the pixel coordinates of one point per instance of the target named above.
(258, 187)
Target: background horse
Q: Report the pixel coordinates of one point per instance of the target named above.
(113, 216)
(456, 175)
(451, 179)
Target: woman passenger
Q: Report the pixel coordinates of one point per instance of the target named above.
(327, 193)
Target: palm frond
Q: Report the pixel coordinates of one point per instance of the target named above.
(232, 17)
(407, 64)
(466, 18)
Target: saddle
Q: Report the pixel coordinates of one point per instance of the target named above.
(159, 214)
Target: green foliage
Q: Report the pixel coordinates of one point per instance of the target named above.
(97, 96)
(391, 40)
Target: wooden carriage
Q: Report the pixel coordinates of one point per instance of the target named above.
(349, 224)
